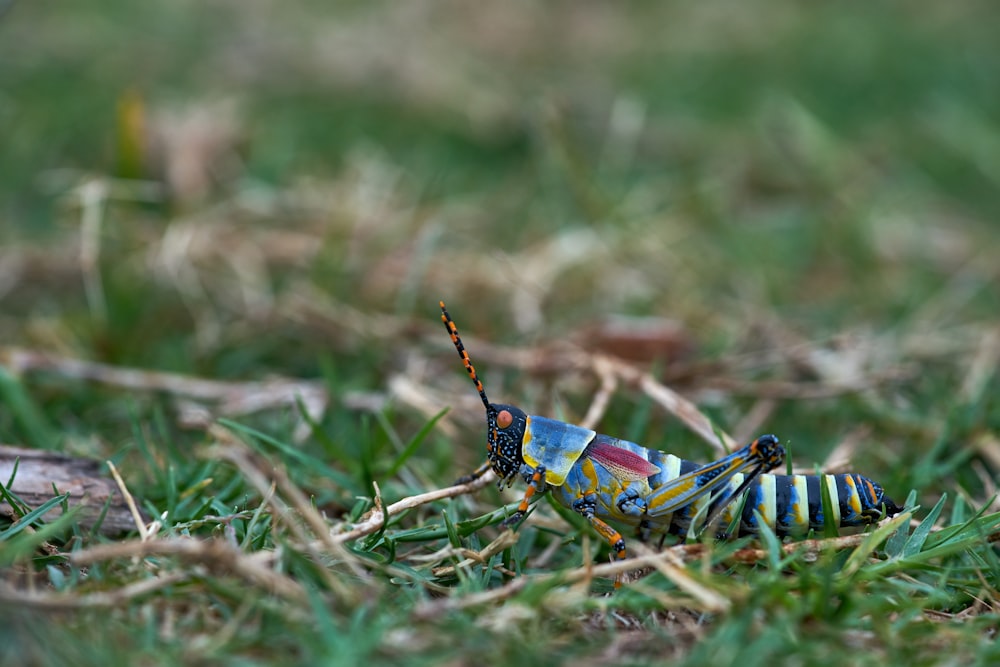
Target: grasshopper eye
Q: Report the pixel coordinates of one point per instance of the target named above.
(504, 419)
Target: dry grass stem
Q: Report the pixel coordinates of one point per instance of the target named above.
(67, 601)
(420, 398)
(680, 407)
(672, 567)
(377, 517)
(599, 403)
(140, 525)
(839, 459)
(233, 398)
(506, 539)
(753, 422)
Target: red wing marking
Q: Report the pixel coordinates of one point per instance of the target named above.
(621, 463)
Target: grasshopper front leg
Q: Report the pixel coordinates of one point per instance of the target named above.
(536, 483)
(587, 506)
(475, 474)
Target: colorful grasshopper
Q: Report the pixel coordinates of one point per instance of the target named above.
(604, 477)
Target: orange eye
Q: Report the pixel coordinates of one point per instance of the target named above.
(504, 419)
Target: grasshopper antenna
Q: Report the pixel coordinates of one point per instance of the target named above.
(449, 324)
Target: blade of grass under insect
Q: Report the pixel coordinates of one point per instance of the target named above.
(920, 533)
(860, 555)
(574, 519)
(894, 545)
(967, 540)
(770, 541)
(830, 527)
(377, 537)
(453, 538)
(948, 532)
(449, 525)
(698, 526)
(361, 505)
(736, 523)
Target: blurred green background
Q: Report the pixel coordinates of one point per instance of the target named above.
(803, 196)
(200, 187)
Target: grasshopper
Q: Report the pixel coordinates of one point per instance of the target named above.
(603, 477)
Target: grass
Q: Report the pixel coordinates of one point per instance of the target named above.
(241, 221)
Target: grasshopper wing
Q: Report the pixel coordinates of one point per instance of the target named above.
(624, 464)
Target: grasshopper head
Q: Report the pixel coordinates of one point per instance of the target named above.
(505, 426)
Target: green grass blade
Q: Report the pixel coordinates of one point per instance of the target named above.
(920, 533)
(861, 553)
(292, 453)
(414, 444)
(29, 417)
(33, 516)
(830, 527)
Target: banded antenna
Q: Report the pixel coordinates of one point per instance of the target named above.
(449, 324)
